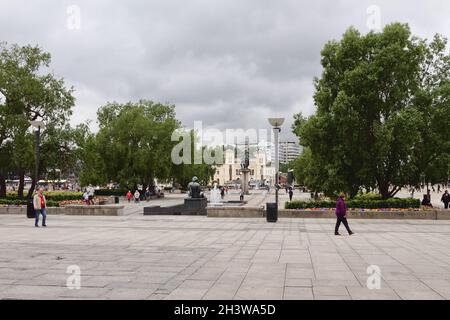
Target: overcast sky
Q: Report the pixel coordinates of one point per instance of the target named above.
(228, 63)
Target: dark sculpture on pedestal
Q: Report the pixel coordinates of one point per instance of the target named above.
(194, 189)
(194, 205)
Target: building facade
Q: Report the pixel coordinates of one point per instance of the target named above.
(287, 151)
(230, 171)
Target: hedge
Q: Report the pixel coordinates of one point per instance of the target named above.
(368, 196)
(394, 203)
(111, 192)
(53, 196)
(50, 203)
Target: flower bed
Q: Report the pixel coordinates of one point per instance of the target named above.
(394, 203)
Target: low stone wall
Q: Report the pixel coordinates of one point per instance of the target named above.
(78, 210)
(235, 212)
(23, 210)
(95, 210)
(413, 215)
(259, 212)
(443, 215)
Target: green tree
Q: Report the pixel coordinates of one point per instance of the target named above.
(29, 92)
(184, 172)
(133, 145)
(381, 105)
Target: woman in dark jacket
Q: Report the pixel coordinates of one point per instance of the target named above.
(446, 199)
(341, 215)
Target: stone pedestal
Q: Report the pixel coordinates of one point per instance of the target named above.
(245, 180)
(196, 205)
(191, 207)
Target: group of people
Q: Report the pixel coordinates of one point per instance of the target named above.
(88, 195)
(445, 199)
(137, 196)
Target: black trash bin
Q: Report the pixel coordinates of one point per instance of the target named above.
(30, 209)
(272, 212)
(116, 200)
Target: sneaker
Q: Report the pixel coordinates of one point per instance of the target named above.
(337, 234)
(44, 225)
(351, 233)
(36, 226)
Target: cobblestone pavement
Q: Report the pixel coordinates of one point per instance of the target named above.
(137, 257)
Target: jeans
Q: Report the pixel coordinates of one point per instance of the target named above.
(446, 205)
(44, 216)
(338, 224)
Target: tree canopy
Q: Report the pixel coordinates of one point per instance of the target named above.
(28, 91)
(382, 118)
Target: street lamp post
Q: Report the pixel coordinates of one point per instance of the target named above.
(276, 123)
(38, 126)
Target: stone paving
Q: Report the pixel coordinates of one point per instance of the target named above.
(151, 257)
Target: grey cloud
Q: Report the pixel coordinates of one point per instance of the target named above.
(228, 63)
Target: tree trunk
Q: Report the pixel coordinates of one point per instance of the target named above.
(394, 191)
(31, 190)
(21, 185)
(384, 190)
(2, 186)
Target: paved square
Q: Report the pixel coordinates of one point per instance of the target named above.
(137, 257)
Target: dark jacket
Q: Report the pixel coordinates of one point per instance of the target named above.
(445, 198)
(341, 208)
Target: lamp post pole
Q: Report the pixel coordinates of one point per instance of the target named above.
(37, 134)
(272, 208)
(38, 126)
(276, 131)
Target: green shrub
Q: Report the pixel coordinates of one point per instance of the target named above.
(55, 196)
(61, 196)
(368, 196)
(16, 202)
(394, 203)
(111, 192)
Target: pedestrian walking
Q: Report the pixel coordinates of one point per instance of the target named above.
(129, 196)
(341, 215)
(39, 205)
(446, 199)
(137, 195)
(291, 193)
(241, 195)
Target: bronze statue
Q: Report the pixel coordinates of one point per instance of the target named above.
(194, 189)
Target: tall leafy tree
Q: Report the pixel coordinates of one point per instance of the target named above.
(381, 105)
(28, 92)
(133, 144)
